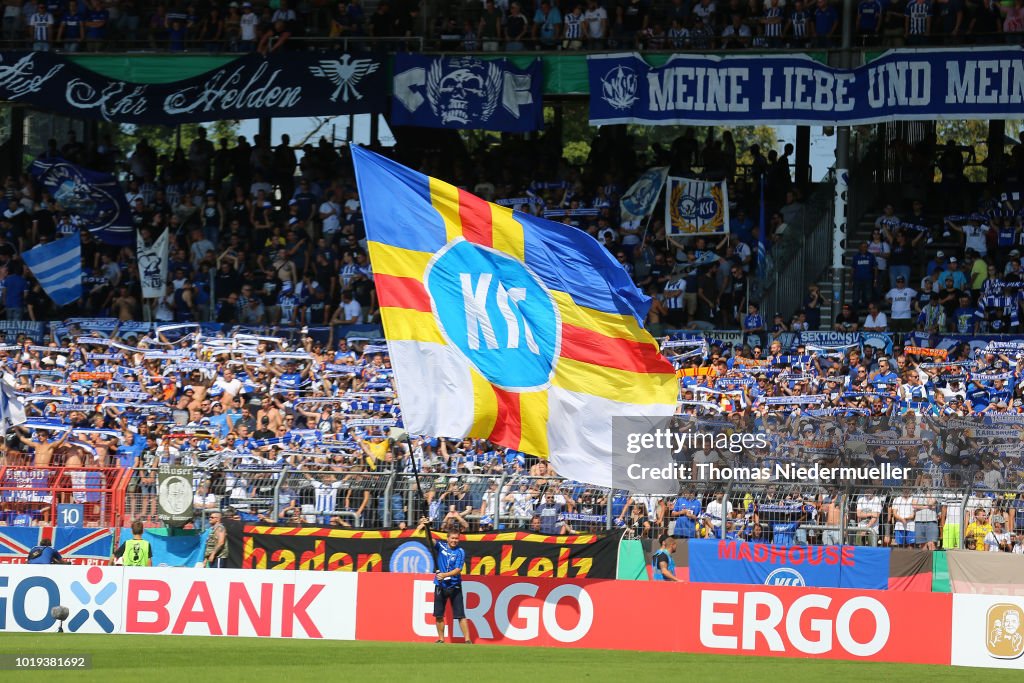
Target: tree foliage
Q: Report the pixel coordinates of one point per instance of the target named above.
(164, 138)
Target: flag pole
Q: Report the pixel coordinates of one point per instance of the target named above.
(426, 516)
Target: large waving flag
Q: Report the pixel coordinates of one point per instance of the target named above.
(95, 197)
(58, 267)
(505, 326)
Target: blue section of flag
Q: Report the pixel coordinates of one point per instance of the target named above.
(571, 261)
(465, 92)
(94, 197)
(399, 199)
(58, 267)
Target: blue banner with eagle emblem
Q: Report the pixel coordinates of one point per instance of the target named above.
(250, 87)
(696, 207)
(467, 92)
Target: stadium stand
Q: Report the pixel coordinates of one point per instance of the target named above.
(675, 25)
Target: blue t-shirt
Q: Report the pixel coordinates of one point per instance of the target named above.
(863, 267)
(657, 559)
(14, 291)
(685, 527)
(870, 14)
(448, 559)
(72, 27)
(43, 554)
(126, 454)
(93, 32)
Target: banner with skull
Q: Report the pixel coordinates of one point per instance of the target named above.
(467, 93)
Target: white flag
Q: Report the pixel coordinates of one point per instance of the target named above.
(640, 198)
(12, 410)
(153, 266)
(696, 207)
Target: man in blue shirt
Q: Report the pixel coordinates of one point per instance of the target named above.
(44, 554)
(71, 28)
(129, 451)
(869, 20)
(686, 510)
(864, 267)
(662, 562)
(826, 21)
(14, 288)
(448, 583)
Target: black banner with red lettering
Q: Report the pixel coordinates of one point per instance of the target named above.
(590, 556)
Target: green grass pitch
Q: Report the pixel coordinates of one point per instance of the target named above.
(189, 659)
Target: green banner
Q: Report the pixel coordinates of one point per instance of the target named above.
(632, 561)
(564, 74)
(940, 573)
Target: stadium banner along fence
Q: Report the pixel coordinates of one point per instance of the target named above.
(79, 546)
(833, 566)
(915, 85)
(254, 86)
(347, 550)
(173, 547)
(463, 92)
(985, 573)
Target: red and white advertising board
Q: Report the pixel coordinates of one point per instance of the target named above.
(723, 619)
(522, 611)
(887, 626)
(989, 631)
(240, 602)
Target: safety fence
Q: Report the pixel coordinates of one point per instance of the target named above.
(923, 508)
(65, 496)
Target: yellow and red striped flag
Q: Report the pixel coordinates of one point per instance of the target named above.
(505, 326)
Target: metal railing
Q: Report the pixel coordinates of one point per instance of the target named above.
(803, 252)
(33, 495)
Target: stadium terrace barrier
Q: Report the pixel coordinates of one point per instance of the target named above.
(76, 546)
(706, 618)
(346, 550)
(787, 622)
(832, 566)
(35, 495)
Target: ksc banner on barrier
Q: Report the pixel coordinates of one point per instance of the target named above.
(832, 566)
(467, 92)
(796, 89)
(285, 84)
(504, 554)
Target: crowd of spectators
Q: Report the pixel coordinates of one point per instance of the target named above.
(271, 238)
(950, 268)
(273, 235)
(99, 25)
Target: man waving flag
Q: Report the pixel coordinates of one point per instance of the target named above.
(505, 326)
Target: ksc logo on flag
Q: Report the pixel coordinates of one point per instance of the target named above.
(506, 326)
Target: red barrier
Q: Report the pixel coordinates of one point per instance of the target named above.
(38, 491)
(627, 615)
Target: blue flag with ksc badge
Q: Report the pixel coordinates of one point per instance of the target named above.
(467, 93)
(95, 197)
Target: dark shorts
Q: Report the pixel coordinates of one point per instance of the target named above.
(442, 596)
